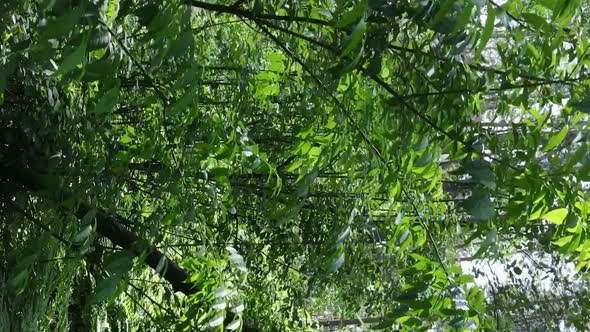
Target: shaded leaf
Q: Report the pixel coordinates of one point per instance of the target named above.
(105, 288)
(353, 15)
(108, 101)
(479, 205)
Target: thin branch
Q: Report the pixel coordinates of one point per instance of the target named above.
(250, 15)
(158, 304)
(509, 14)
(145, 310)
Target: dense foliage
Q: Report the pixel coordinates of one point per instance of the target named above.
(277, 165)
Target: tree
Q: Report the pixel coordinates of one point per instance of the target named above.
(274, 161)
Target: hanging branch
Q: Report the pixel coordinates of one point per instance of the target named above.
(112, 226)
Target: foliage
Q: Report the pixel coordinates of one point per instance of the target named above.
(274, 161)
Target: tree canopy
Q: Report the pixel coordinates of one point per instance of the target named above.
(279, 165)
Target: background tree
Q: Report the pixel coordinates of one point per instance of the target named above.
(272, 162)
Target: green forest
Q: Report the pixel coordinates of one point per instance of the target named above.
(294, 165)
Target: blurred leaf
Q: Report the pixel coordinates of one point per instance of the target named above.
(336, 262)
(355, 38)
(556, 139)
(353, 15)
(119, 262)
(480, 171)
(5, 71)
(107, 103)
(83, 234)
(234, 325)
(216, 321)
(73, 59)
(487, 31)
(105, 288)
(60, 26)
(583, 105)
(479, 205)
(100, 38)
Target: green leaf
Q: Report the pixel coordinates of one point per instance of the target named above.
(353, 15)
(119, 263)
(583, 105)
(487, 31)
(479, 205)
(295, 165)
(556, 216)
(556, 139)
(108, 101)
(577, 157)
(100, 38)
(88, 218)
(59, 27)
(111, 10)
(563, 14)
(105, 288)
(549, 4)
(126, 139)
(480, 171)
(83, 234)
(536, 22)
(5, 71)
(336, 262)
(465, 279)
(563, 241)
(463, 19)
(355, 38)
(73, 59)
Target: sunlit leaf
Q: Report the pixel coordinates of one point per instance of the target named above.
(556, 216)
(556, 139)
